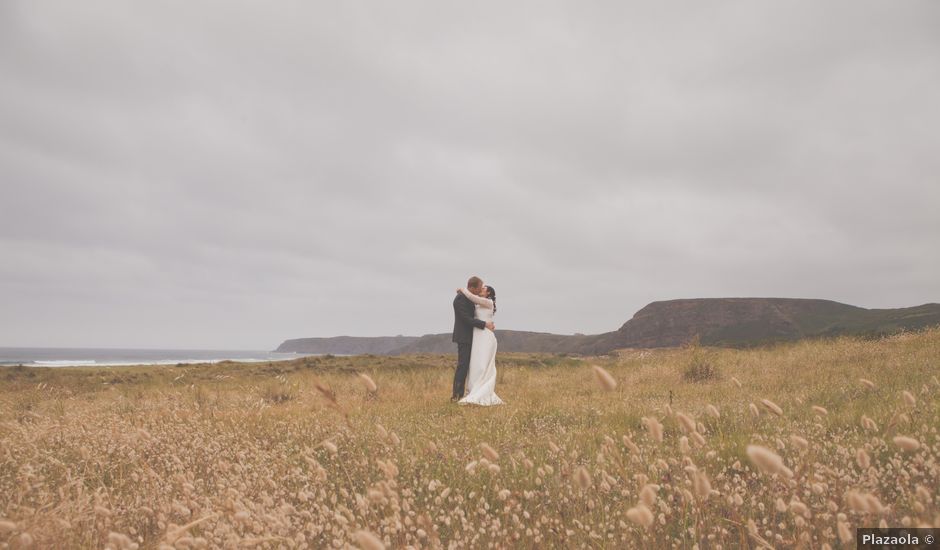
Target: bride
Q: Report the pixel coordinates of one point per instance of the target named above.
(481, 380)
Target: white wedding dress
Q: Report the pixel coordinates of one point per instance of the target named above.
(481, 378)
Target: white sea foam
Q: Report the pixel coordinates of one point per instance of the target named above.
(92, 358)
(83, 363)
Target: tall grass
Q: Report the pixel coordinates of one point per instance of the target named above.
(307, 454)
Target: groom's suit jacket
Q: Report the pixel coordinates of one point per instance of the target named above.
(464, 321)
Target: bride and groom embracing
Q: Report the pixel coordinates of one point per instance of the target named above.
(474, 308)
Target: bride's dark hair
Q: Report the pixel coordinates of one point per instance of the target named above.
(491, 294)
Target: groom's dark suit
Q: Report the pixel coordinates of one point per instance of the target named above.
(464, 324)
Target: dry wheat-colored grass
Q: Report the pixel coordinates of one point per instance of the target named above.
(624, 455)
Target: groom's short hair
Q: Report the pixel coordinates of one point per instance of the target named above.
(474, 282)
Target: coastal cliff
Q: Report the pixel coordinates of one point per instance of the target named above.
(731, 322)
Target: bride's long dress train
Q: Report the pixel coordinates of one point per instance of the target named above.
(481, 378)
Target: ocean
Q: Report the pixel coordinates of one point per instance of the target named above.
(109, 357)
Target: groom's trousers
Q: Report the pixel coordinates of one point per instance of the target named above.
(463, 367)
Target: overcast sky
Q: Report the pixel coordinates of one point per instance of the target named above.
(230, 174)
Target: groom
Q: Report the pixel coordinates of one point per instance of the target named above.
(464, 324)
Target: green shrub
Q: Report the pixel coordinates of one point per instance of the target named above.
(275, 393)
(701, 366)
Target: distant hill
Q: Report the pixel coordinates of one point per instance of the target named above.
(347, 345)
(731, 322)
(508, 340)
(741, 322)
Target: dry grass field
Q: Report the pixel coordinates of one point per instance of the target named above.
(789, 446)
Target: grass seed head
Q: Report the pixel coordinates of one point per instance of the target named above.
(772, 407)
(368, 382)
(798, 508)
(640, 515)
(7, 526)
(906, 443)
(648, 495)
(583, 477)
(703, 486)
(489, 452)
(857, 502)
(605, 379)
(654, 427)
(845, 534)
(368, 541)
(121, 541)
(768, 461)
(909, 399)
(862, 459)
(686, 422)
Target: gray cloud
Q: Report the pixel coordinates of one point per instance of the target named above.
(229, 174)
